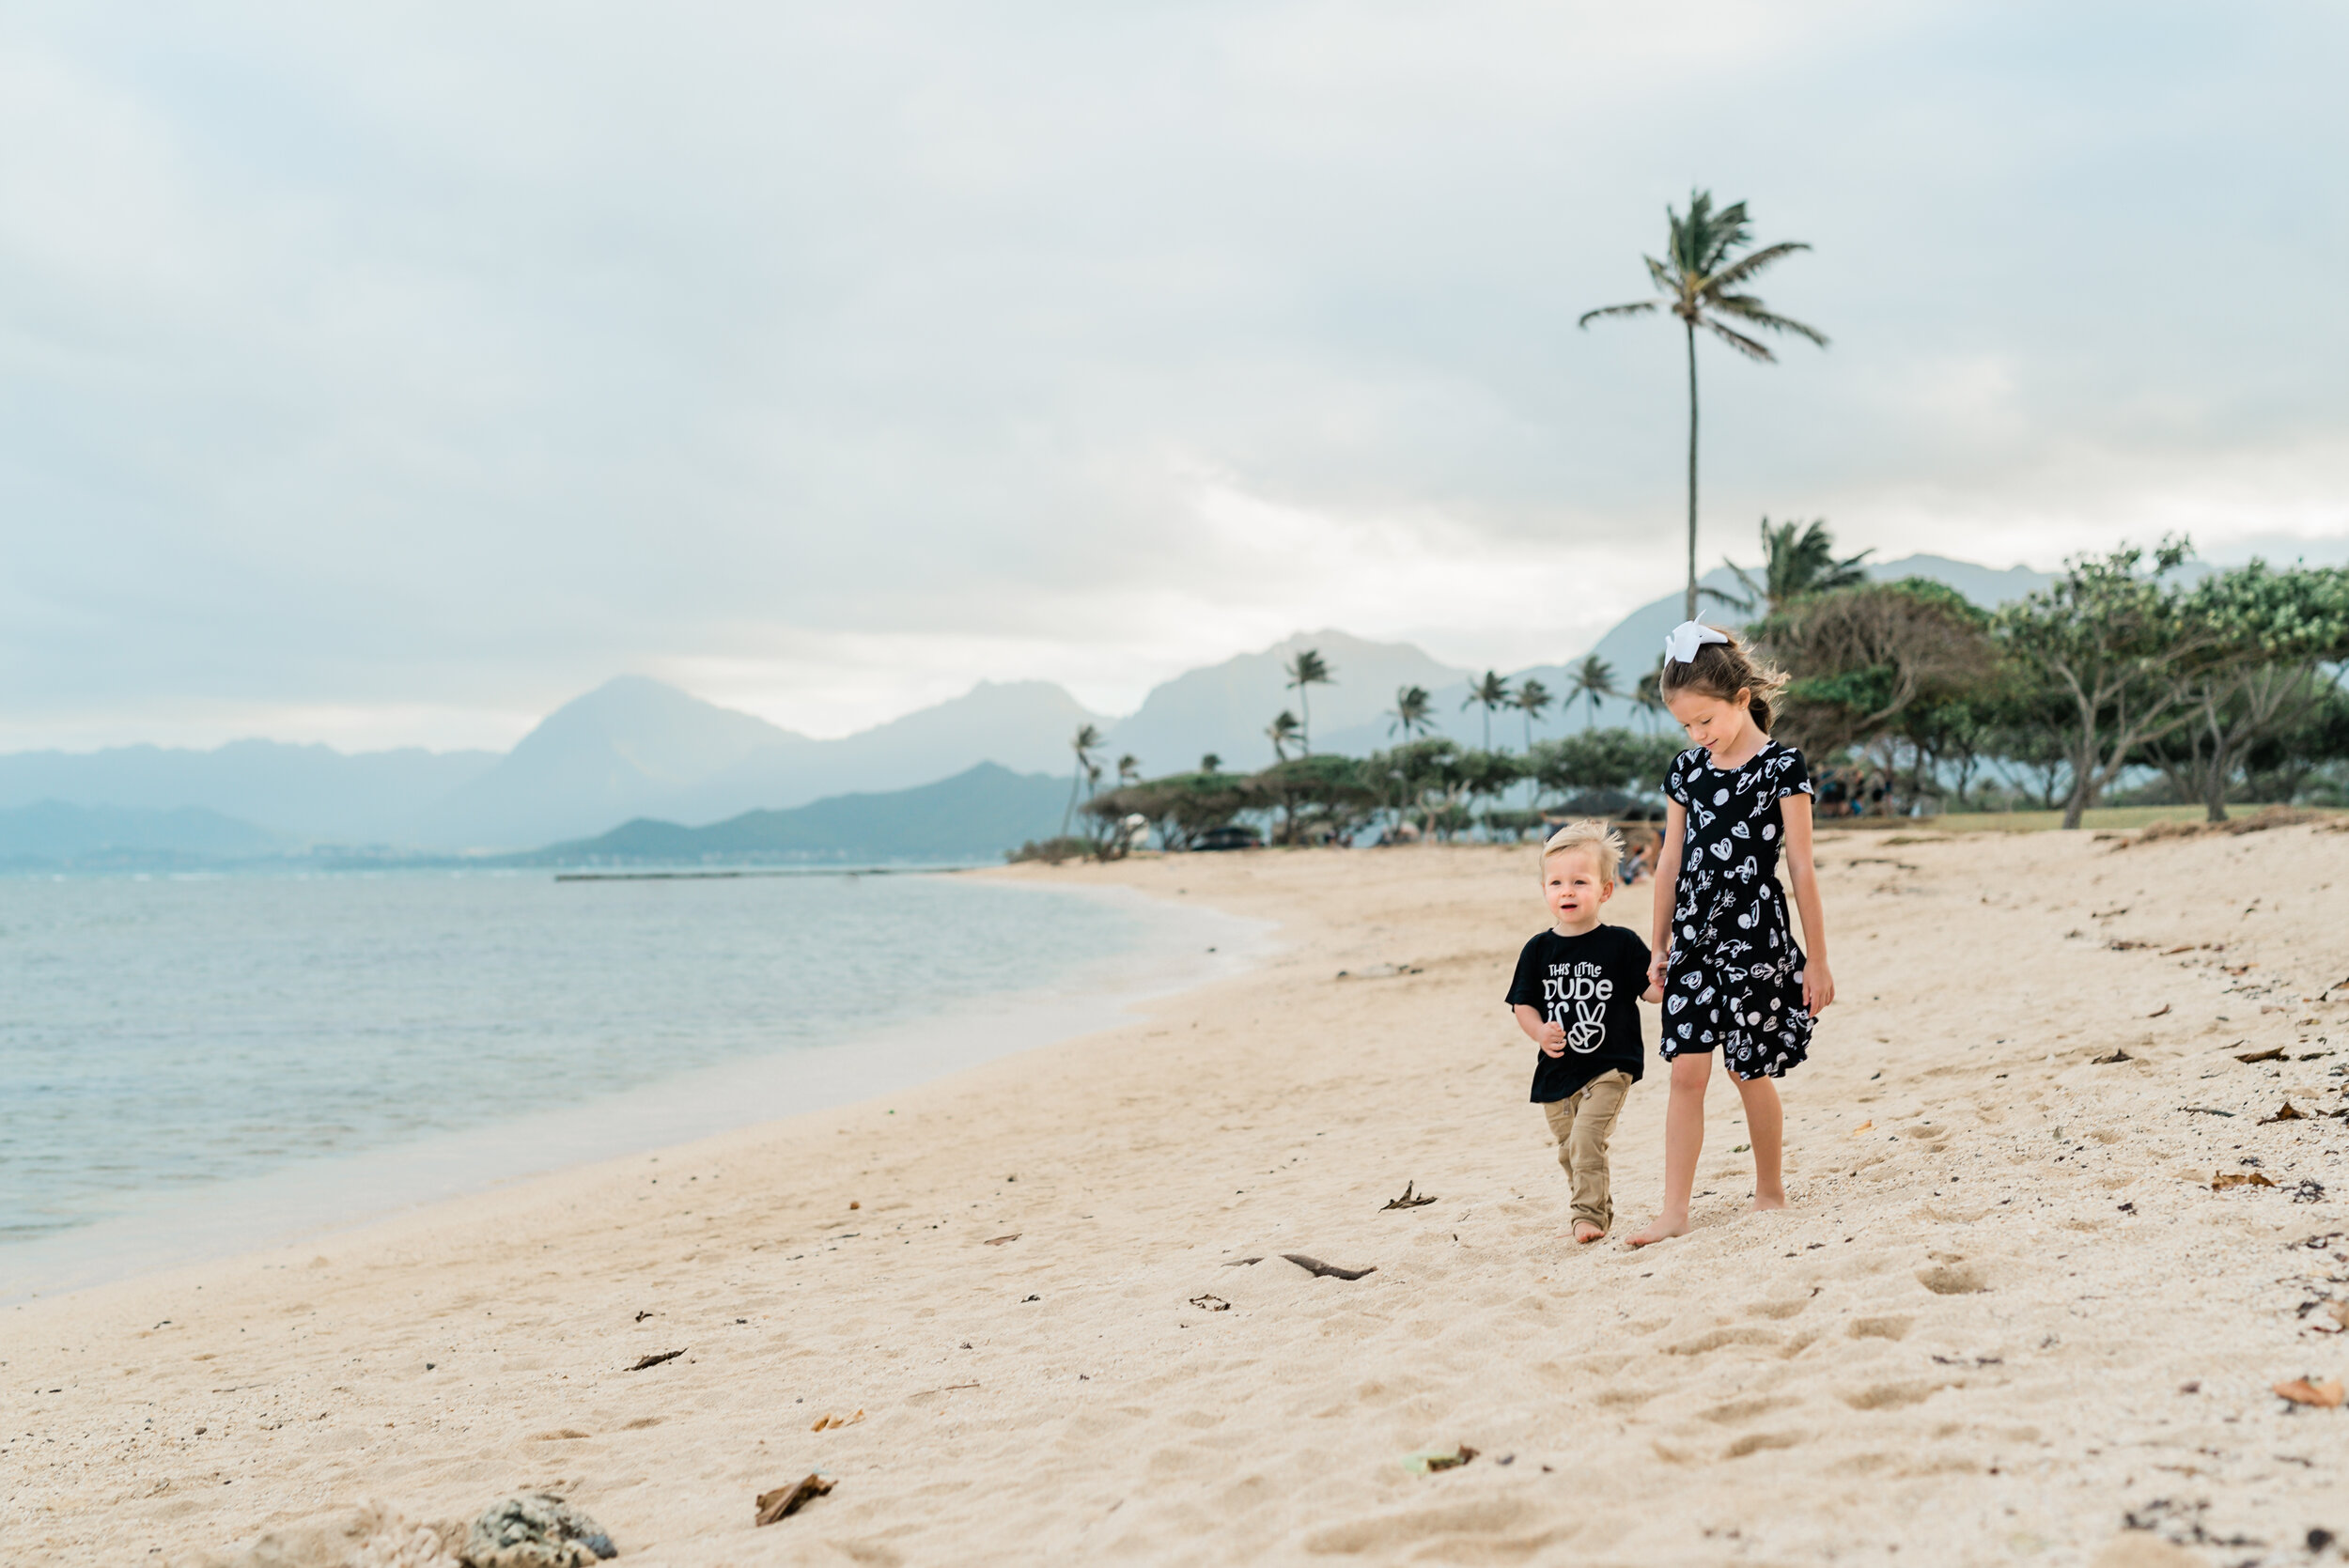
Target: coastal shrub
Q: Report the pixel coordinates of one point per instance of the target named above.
(1051, 851)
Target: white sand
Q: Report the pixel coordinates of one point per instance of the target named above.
(1966, 1343)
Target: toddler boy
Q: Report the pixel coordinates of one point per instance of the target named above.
(1575, 993)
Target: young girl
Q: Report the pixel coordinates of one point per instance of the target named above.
(1733, 979)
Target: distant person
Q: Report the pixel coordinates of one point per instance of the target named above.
(1834, 793)
(1573, 994)
(1636, 867)
(1734, 980)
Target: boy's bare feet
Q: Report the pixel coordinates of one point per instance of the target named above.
(1586, 1232)
(1660, 1230)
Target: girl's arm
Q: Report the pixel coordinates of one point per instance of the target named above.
(1818, 984)
(1663, 887)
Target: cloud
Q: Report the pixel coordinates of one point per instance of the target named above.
(398, 374)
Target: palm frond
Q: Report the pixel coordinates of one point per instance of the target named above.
(1638, 307)
(1666, 280)
(1745, 266)
(1740, 342)
(1746, 309)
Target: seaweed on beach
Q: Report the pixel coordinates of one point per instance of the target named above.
(1315, 1266)
(1409, 1200)
(783, 1501)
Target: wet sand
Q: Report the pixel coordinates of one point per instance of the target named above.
(2007, 1312)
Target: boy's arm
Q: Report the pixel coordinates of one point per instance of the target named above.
(1551, 1037)
(1818, 984)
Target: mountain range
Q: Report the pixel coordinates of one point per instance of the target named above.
(634, 748)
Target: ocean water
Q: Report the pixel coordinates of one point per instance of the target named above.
(195, 1064)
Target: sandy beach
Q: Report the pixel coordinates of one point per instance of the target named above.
(2007, 1315)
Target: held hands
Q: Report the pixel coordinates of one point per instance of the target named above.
(1818, 987)
(1654, 991)
(1655, 974)
(1553, 1039)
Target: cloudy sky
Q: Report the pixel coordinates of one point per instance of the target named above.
(386, 375)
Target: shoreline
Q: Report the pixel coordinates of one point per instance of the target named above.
(1999, 1322)
(319, 1201)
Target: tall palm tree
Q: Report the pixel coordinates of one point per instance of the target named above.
(1700, 284)
(1532, 696)
(1594, 678)
(1796, 562)
(1084, 744)
(1412, 712)
(1492, 693)
(1305, 672)
(1128, 769)
(1281, 732)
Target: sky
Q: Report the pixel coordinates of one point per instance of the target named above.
(388, 375)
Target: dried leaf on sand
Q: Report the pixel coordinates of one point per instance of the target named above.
(2300, 1390)
(832, 1424)
(1211, 1303)
(1428, 1461)
(655, 1360)
(783, 1501)
(2286, 1114)
(2225, 1179)
(1314, 1265)
(1407, 1200)
(2273, 1053)
(998, 1241)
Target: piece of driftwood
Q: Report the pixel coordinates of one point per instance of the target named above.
(1314, 1265)
(1407, 1200)
(655, 1360)
(783, 1501)
(2273, 1053)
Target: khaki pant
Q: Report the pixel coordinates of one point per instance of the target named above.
(1582, 1123)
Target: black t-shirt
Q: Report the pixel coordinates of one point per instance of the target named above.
(1592, 985)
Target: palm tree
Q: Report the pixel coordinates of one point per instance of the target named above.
(1128, 769)
(1305, 672)
(1280, 732)
(1795, 565)
(1492, 693)
(1532, 696)
(1648, 696)
(1210, 763)
(1411, 711)
(1699, 284)
(1084, 742)
(1595, 679)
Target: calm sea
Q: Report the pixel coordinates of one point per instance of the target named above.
(193, 1065)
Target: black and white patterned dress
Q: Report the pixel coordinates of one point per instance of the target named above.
(1734, 981)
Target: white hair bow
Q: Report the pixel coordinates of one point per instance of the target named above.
(1681, 642)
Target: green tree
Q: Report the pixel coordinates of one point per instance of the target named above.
(1181, 808)
(1128, 769)
(1305, 672)
(1282, 733)
(1703, 281)
(1086, 741)
(2110, 638)
(1532, 697)
(1602, 759)
(1413, 712)
(1593, 680)
(2271, 634)
(1210, 763)
(1648, 696)
(1865, 658)
(1795, 566)
(1492, 695)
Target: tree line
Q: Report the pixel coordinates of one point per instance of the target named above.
(2135, 666)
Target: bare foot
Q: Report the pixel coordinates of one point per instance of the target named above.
(1660, 1230)
(1585, 1232)
(1762, 1204)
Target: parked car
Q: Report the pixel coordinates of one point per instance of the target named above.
(1232, 835)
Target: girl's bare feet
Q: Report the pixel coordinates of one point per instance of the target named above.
(1662, 1230)
(1585, 1232)
(1764, 1201)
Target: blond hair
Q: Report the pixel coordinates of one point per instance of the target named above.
(1604, 842)
(1720, 671)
